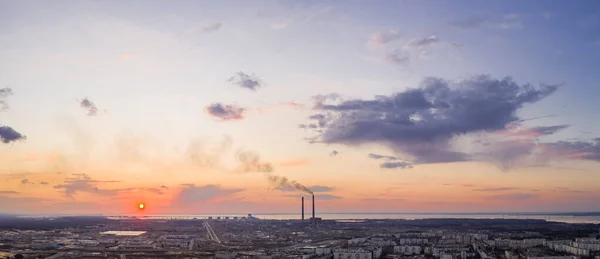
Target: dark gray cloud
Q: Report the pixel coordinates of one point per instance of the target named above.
(422, 121)
(376, 156)
(334, 153)
(578, 150)
(314, 188)
(4, 94)
(506, 21)
(8, 135)
(385, 37)
(250, 162)
(498, 189)
(192, 194)
(392, 165)
(92, 109)
(44, 183)
(226, 112)
(244, 80)
(211, 27)
(25, 181)
(514, 197)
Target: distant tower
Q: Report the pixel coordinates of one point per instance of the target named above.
(302, 207)
(313, 209)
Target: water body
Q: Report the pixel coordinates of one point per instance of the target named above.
(573, 218)
(123, 233)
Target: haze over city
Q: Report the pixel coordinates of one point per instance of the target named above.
(245, 106)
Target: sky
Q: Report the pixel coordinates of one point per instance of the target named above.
(245, 106)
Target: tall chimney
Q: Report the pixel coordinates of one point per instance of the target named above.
(302, 207)
(313, 214)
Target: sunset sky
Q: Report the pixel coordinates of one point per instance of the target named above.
(375, 106)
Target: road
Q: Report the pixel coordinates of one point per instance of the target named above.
(211, 232)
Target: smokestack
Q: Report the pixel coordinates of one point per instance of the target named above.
(313, 204)
(302, 207)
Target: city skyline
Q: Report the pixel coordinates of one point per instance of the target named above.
(214, 107)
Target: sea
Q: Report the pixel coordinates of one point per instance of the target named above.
(559, 217)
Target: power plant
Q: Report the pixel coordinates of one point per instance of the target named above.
(313, 219)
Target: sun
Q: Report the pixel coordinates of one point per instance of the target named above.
(141, 206)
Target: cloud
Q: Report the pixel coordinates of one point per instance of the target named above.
(226, 112)
(385, 37)
(391, 162)
(421, 122)
(397, 57)
(314, 188)
(382, 200)
(92, 109)
(43, 183)
(392, 165)
(164, 187)
(376, 156)
(334, 153)
(424, 42)
(577, 150)
(8, 135)
(25, 181)
(244, 80)
(82, 183)
(568, 190)
(211, 27)
(539, 131)
(9, 192)
(153, 190)
(4, 93)
(506, 21)
(250, 162)
(202, 155)
(192, 194)
(513, 197)
(326, 196)
(498, 189)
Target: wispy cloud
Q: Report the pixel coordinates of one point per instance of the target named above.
(506, 21)
(26, 181)
(497, 189)
(384, 37)
(211, 27)
(514, 197)
(334, 153)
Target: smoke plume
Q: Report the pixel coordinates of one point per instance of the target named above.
(250, 162)
(281, 181)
